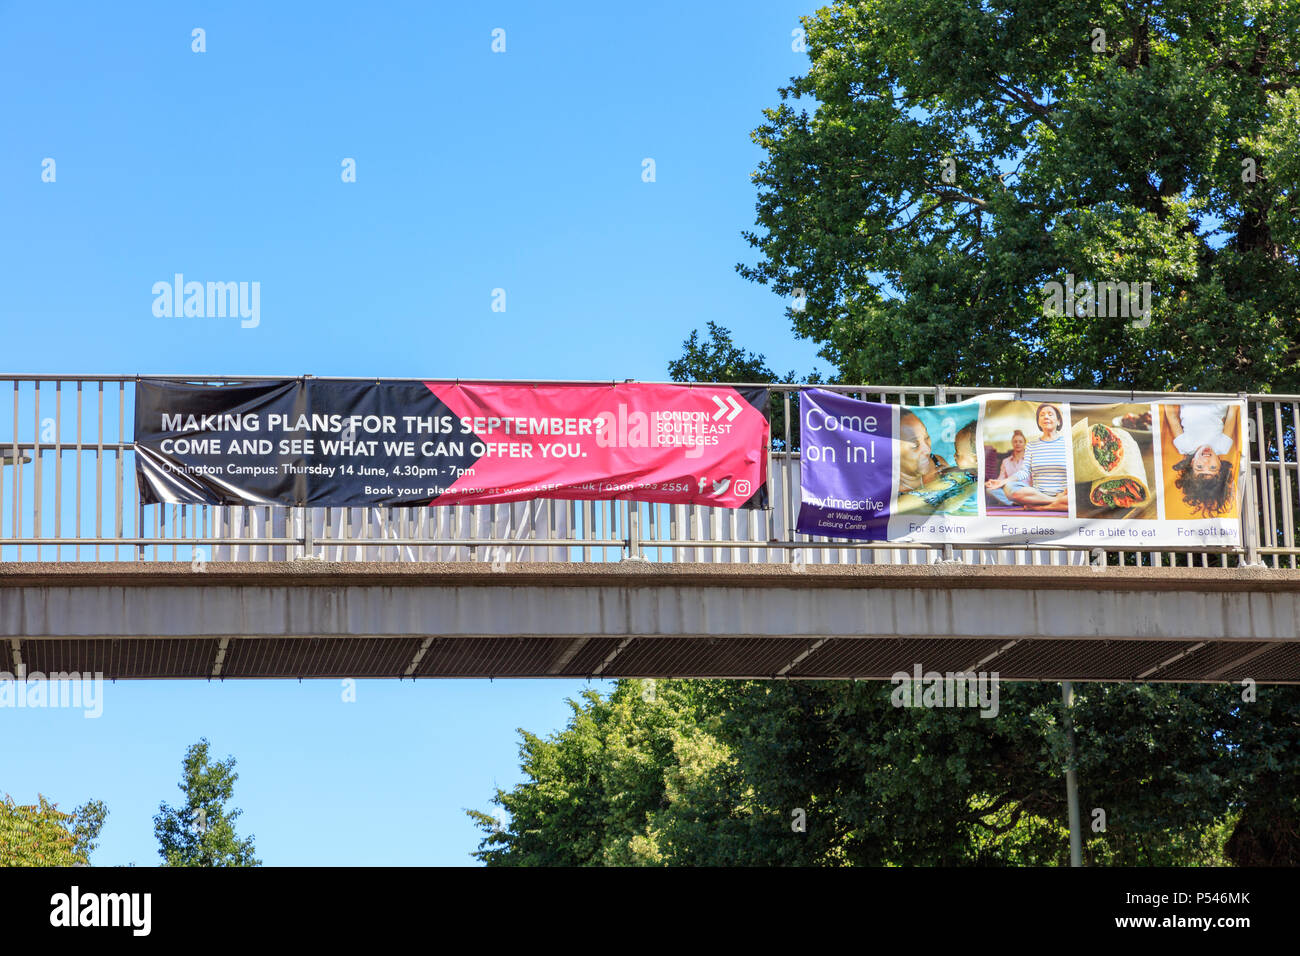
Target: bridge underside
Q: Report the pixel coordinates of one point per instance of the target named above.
(318, 620)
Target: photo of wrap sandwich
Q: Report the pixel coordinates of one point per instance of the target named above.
(1114, 461)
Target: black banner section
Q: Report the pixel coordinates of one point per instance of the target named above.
(183, 456)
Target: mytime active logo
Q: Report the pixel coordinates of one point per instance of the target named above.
(76, 909)
(211, 300)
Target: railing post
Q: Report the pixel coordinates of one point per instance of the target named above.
(1250, 516)
(1072, 776)
(770, 515)
(308, 544)
(791, 520)
(633, 532)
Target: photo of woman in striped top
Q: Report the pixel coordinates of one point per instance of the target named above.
(1042, 481)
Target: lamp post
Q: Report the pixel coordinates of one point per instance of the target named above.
(1072, 777)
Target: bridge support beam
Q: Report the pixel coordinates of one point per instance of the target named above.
(315, 619)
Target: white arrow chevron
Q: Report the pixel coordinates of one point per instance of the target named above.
(736, 409)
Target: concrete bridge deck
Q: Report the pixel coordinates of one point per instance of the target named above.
(311, 619)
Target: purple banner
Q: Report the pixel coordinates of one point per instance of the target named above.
(847, 465)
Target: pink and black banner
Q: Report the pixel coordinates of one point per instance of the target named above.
(319, 442)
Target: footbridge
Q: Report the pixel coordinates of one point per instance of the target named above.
(94, 580)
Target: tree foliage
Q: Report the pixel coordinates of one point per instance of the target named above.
(42, 835)
(593, 784)
(201, 831)
(942, 160)
(1267, 737)
(722, 773)
(720, 359)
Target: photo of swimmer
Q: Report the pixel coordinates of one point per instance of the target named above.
(1201, 459)
(1114, 461)
(938, 469)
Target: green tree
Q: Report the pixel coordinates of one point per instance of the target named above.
(87, 822)
(942, 160)
(832, 773)
(41, 835)
(1265, 738)
(201, 831)
(720, 360)
(592, 785)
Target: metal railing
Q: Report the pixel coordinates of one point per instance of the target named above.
(68, 493)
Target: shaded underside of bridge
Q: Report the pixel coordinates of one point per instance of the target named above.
(317, 620)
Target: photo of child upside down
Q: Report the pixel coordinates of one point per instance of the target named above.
(1205, 439)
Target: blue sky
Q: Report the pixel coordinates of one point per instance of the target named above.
(475, 171)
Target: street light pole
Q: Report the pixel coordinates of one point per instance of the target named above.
(1072, 778)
